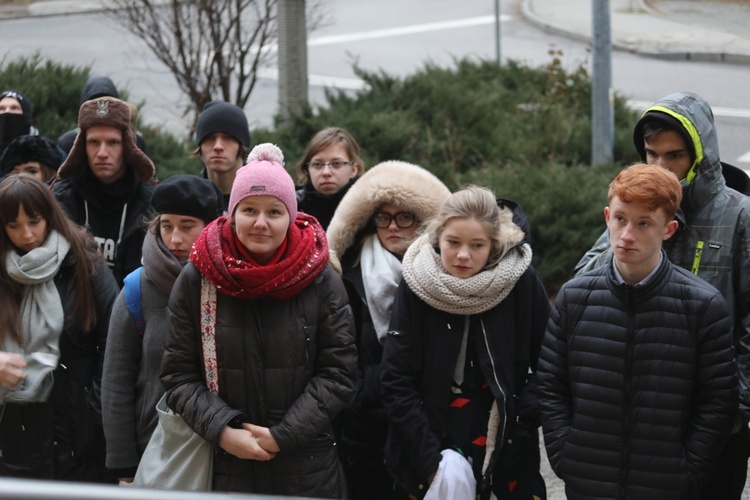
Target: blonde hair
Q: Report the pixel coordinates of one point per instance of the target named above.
(480, 204)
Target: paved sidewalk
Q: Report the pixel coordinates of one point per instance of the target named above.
(707, 30)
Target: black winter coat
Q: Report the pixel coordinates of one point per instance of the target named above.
(638, 385)
(418, 364)
(286, 365)
(63, 437)
(365, 423)
(319, 205)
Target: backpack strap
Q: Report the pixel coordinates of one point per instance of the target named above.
(132, 288)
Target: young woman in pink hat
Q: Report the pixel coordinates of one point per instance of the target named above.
(285, 350)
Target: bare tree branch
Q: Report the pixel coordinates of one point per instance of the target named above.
(213, 48)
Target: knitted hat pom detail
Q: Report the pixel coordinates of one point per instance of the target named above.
(266, 152)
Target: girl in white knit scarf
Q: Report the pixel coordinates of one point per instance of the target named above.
(451, 379)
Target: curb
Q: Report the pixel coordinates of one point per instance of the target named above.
(25, 13)
(527, 11)
(57, 8)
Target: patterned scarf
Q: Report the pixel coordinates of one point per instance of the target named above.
(428, 279)
(218, 258)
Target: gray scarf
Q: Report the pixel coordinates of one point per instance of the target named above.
(161, 266)
(42, 317)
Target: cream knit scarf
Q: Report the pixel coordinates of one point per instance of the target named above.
(428, 279)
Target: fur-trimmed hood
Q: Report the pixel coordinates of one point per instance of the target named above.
(399, 183)
(109, 112)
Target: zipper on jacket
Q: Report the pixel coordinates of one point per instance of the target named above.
(501, 440)
(307, 341)
(629, 333)
(697, 258)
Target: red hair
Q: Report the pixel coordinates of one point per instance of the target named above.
(649, 185)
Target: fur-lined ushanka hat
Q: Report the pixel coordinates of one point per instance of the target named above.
(107, 112)
(408, 186)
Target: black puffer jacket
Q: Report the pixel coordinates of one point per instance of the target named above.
(63, 438)
(713, 239)
(286, 365)
(364, 422)
(638, 387)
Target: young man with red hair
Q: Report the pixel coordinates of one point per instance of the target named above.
(638, 385)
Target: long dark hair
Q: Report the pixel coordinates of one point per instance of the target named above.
(22, 190)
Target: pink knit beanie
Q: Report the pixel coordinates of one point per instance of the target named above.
(264, 175)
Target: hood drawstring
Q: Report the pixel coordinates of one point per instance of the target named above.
(122, 222)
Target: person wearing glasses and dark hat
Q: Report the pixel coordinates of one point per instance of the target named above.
(370, 231)
(328, 168)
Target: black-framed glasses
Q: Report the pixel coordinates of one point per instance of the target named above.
(335, 164)
(403, 219)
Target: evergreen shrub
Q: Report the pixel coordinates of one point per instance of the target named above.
(54, 90)
(523, 131)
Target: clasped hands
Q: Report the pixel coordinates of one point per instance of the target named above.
(250, 442)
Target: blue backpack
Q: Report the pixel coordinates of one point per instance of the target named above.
(132, 287)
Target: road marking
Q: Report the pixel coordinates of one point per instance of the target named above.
(718, 111)
(319, 80)
(405, 30)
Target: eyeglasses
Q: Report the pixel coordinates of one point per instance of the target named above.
(403, 219)
(335, 165)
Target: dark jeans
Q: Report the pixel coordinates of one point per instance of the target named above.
(728, 479)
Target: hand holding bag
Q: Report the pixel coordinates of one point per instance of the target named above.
(176, 457)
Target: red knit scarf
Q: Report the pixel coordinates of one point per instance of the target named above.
(218, 258)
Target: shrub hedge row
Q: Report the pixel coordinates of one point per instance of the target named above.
(523, 131)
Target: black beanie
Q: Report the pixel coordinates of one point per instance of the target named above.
(661, 120)
(220, 116)
(26, 148)
(25, 103)
(186, 194)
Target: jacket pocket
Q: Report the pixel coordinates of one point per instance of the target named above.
(517, 463)
(312, 471)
